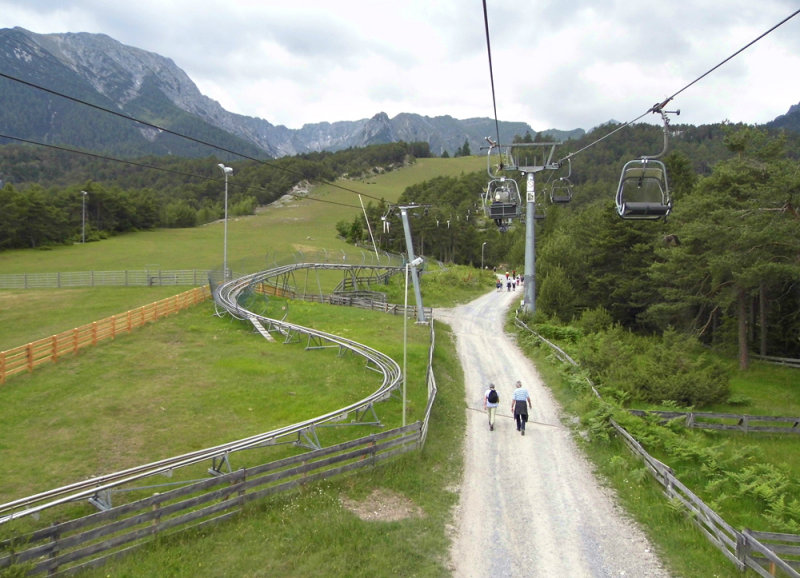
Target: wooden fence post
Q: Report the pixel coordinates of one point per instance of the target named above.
(742, 548)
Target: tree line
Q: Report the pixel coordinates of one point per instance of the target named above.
(42, 201)
(724, 266)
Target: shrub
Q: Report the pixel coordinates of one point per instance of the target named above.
(672, 368)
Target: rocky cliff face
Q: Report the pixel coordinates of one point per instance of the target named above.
(150, 87)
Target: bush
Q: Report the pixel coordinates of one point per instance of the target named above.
(673, 368)
(595, 320)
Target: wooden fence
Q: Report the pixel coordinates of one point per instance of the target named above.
(128, 278)
(767, 553)
(787, 361)
(728, 421)
(50, 349)
(69, 547)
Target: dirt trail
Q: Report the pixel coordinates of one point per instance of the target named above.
(529, 506)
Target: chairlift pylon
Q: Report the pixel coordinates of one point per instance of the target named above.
(643, 191)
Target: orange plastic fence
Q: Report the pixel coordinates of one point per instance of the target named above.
(50, 349)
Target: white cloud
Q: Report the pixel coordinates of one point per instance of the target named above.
(555, 65)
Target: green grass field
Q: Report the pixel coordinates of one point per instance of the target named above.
(299, 226)
(195, 379)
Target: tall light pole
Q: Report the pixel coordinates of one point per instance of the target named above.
(83, 217)
(482, 247)
(225, 171)
(415, 263)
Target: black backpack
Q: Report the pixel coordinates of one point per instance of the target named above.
(492, 397)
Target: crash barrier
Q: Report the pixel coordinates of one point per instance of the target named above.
(50, 349)
(767, 553)
(90, 540)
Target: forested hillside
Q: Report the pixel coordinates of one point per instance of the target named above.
(42, 199)
(724, 266)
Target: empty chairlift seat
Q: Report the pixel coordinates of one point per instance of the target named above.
(561, 189)
(643, 191)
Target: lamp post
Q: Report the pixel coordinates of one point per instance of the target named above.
(482, 248)
(415, 263)
(225, 171)
(83, 217)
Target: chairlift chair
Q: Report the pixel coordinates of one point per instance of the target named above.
(502, 201)
(643, 191)
(561, 189)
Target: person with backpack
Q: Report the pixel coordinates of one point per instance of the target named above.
(520, 402)
(490, 402)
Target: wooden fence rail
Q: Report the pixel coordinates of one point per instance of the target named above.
(768, 554)
(50, 349)
(71, 546)
(728, 421)
(89, 541)
(129, 278)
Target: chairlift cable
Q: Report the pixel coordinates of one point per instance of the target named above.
(143, 165)
(174, 133)
(491, 71)
(658, 108)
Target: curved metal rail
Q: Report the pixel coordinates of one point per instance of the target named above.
(225, 297)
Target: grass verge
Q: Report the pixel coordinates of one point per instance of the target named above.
(326, 529)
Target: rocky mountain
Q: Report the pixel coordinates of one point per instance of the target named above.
(789, 121)
(96, 69)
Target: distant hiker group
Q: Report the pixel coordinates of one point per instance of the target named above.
(511, 281)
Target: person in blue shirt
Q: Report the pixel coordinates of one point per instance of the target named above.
(520, 403)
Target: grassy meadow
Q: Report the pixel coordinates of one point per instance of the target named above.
(302, 225)
(195, 379)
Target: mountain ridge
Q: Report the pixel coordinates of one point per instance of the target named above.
(133, 82)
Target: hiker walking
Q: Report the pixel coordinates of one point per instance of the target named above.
(490, 402)
(520, 402)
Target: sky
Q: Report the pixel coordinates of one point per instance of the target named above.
(554, 63)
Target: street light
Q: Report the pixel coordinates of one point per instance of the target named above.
(225, 171)
(415, 263)
(482, 247)
(83, 218)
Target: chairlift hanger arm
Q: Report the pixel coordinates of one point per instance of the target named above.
(657, 108)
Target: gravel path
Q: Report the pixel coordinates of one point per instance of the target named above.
(529, 506)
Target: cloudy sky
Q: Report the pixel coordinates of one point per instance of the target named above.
(556, 63)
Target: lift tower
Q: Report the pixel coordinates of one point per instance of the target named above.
(536, 157)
